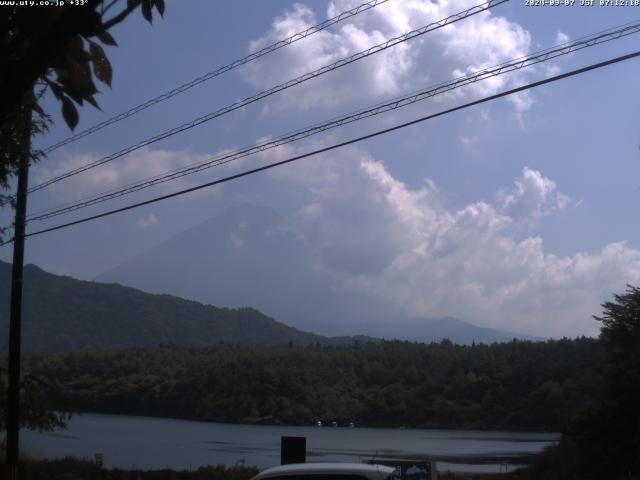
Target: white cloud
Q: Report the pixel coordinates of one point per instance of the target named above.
(469, 141)
(532, 197)
(236, 240)
(561, 38)
(139, 165)
(479, 41)
(147, 221)
(374, 77)
(377, 235)
(551, 68)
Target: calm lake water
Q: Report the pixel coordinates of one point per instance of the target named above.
(153, 443)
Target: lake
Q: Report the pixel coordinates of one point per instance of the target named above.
(154, 443)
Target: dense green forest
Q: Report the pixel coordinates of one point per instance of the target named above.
(64, 314)
(517, 385)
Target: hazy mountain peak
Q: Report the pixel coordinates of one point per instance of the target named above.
(62, 313)
(250, 255)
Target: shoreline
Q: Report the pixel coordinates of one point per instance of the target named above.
(461, 428)
(140, 442)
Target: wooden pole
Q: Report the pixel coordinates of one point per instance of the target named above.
(13, 391)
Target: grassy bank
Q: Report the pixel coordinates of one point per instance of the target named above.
(78, 469)
(516, 475)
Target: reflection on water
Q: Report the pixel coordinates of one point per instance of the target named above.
(151, 443)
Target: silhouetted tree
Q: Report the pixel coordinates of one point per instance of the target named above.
(36, 397)
(620, 337)
(57, 48)
(603, 438)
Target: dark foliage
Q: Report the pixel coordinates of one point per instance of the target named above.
(36, 395)
(602, 440)
(517, 385)
(57, 47)
(77, 469)
(64, 314)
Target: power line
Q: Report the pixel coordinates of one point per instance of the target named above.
(278, 88)
(217, 72)
(342, 144)
(519, 63)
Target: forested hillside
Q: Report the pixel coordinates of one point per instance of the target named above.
(517, 385)
(64, 314)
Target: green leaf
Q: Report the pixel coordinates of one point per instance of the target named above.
(146, 10)
(71, 92)
(106, 38)
(57, 90)
(75, 50)
(93, 102)
(69, 112)
(101, 66)
(76, 81)
(160, 7)
(38, 109)
(91, 24)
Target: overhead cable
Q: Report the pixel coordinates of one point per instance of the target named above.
(217, 72)
(278, 88)
(339, 145)
(390, 105)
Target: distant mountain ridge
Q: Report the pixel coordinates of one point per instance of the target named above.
(61, 314)
(250, 255)
(434, 330)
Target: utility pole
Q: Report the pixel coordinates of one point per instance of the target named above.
(13, 391)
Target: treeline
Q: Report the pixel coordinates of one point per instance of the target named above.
(81, 469)
(516, 385)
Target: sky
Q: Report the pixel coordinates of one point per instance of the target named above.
(518, 213)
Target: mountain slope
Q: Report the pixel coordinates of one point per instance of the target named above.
(64, 314)
(250, 255)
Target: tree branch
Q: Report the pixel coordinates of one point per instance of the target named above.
(119, 17)
(108, 7)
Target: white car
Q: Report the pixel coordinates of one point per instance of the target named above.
(327, 471)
